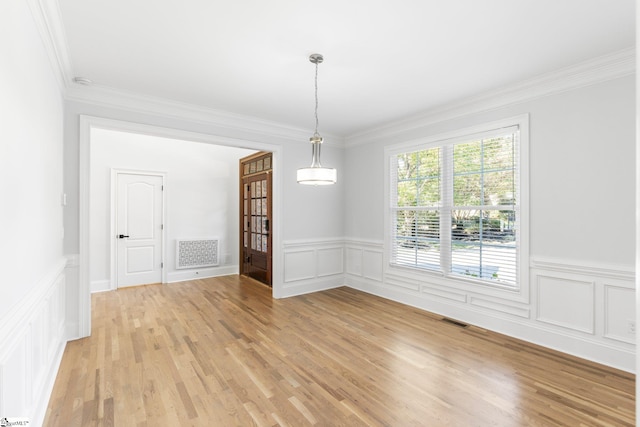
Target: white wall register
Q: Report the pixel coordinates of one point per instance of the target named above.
(196, 253)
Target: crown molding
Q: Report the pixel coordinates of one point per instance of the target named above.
(134, 102)
(46, 14)
(597, 70)
(48, 20)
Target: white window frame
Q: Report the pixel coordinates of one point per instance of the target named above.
(434, 279)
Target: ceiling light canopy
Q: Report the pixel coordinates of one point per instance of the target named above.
(83, 81)
(316, 174)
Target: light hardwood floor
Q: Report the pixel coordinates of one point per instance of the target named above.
(222, 352)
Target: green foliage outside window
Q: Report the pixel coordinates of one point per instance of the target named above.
(481, 176)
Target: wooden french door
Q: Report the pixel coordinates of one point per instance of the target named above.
(255, 217)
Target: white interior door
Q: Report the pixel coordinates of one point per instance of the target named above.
(139, 229)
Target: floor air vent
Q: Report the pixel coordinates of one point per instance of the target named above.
(454, 322)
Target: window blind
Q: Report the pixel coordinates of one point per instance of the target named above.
(455, 209)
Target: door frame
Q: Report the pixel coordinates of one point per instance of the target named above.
(114, 222)
(87, 122)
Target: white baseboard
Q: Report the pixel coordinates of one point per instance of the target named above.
(100, 286)
(176, 276)
(71, 331)
(201, 273)
(312, 285)
(50, 380)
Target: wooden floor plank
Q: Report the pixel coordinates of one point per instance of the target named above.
(223, 352)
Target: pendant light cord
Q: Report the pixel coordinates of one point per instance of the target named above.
(316, 94)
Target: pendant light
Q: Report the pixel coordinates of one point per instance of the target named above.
(316, 174)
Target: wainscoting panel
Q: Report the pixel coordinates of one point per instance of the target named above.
(330, 261)
(372, 264)
(313, 265)
(33, 341)
(500, 307)
(444, 293)
(619, 303)
(566, 302)
(299, 265)
(16, 387)
(354, 261)
(365, 259)
(401, 282)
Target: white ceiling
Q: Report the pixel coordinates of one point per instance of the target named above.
(384, 59)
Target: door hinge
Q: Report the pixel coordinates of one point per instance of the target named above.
(161, 226)
(162, 188)
(162, 265)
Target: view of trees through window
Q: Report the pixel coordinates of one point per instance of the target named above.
(455, 209)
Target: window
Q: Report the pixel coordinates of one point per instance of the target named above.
(456, 207)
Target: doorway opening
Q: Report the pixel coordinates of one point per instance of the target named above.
(89, 249)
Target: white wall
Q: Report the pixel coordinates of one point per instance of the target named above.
(201, 197)
(32, 289)
(582, 210)
(31, 156)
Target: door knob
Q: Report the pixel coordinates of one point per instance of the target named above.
(122, 236)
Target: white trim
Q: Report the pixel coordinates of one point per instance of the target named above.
(201, 273)
(134, 102)
(637, 221)
(581, 268)
(521, 120)
(315, 275)
(300, 243)
(302, 287)
(589, 284)
(607, 326)
(378, 244)
(597, 70)
(48, 20)
(84, 291)
(101, 286)
(49, 381)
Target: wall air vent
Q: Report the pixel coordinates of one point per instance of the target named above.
(196, 253)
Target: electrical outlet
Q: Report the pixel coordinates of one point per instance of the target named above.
(631, 326)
